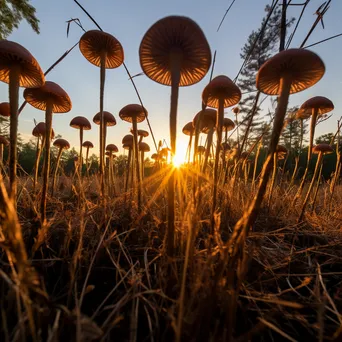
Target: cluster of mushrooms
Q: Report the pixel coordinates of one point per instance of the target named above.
(173, 52)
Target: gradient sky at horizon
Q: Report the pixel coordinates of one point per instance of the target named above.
(128, 21)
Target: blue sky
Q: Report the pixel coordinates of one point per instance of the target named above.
(128, 21)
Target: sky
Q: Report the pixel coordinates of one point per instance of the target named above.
(128, 21)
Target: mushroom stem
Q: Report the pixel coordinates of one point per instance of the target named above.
(86, 162)
(14, 104)
(256, 162)
(102, 146)
(207, 151)
(190, 144)
(142, 164)
(81, 159)
(1, 155)
(317, 187)
(298, 157)
(48, 123)
(237, 131)
(128, 168)
(36, 164)
(275, 164)
(136, 155)
(56, 170)
(318, 163)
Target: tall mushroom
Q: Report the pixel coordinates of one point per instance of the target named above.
(189, 130)
(53, 99)
(18, 68)
(174, 52)
(88, 145)
(104, 51)
(220, 93)
(3, 142)
(62, 145)
(83, 124)
(143, 147)
(141, 134)
(134, 113)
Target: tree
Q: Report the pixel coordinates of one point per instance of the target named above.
(12, 12)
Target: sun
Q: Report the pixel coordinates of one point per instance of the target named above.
(178, 160)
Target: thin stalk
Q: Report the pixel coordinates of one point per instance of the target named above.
(1, 155)
(317, 187)
(207, 151)
(142, 154)
(81, 156)
(36, 164)
(256, 163)
(56, 170)
(86, 162)
(274, 175)
(102, 147)
(190, 144)
(136, 156)
(128, 168)
(237, 131)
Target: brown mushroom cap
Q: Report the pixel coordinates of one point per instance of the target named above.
(80, 122)
(144, 147)
(221, 87)
(188, 129)
(321, 103)
(108, 118)
(303, 115)
(208, 120)
(3, 141)
(110, 154)
(324, 148)
(94, 42)
(175, 35)
(5, 109)
(13, 54)
(305, 67)
(40, 129)
(127, 145)
(88, 144)
(132, 110)
(142, 133)
(228, 125)
(50, 91)
(155, 156)
(112, 148)
(236, 110)
(281, 149)
(61, 143)
(127, 139)
(201, 149)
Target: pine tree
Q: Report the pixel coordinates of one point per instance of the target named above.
(12, 12)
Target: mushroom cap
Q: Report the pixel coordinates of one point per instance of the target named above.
(127, 139)
(13, 54)
(133, 110)
(228, 125)
(80, 122)
(164, 151)
(221, 87)
(88, 144)
(112, 148)
(5, 109)
(142, 133)
(200, 149)
(3, 141)
(303, 115)
(281, 149)
(50, 91)
(144, 147)
(108, 118)
(322, 148)
(321, 103)
(61, 143)
(110, 154)
(236, 110)
(94, 42)
(127, 145)
(180, 37)
(40, 129)
(208, 120)
(155, 156)
(188, 129)
(305, 67)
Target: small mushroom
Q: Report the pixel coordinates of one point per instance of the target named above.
(3, 142)
(88, 145)
(189, 130)
(143, 148)
(5, 109)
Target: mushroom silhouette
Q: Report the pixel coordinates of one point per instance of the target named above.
(189, 130)
(110, 149)
(18, 68)
(143, 147)
(5, 109)
(88, 145)
(141, 134)
(39, 131)
(288, 72)
(53, 99)
(62, 145)
(174, 52)
(104, 51)
(3, 142)
(134, 113)
(228, 125)
(83, 124)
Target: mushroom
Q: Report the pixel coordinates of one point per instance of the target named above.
(189, 130)
(143, 147)
(18, 68)
(321, 150)
(228, 125)
(141, 134)
(39, 131)
(3, 142)
(53, 99)
(236, 111)
(62, 145)
(88, 145)
(5, 109)
(83, 124)
(134, 113)
(127, 142)
(110, 149)
(174, 52)
(104, 51)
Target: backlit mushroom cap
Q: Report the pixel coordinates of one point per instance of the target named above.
(208, 120)
(188, 129)
(80, 122)
(228, 125)
(133, 110)
(112, 148)
(322, 148)
(303, 115)
(164, 152)
(127, 139)
(141, 133)
(304, 67)
(128, 145)
(61, 143)
(155, 156)
(144, 147)
(108, 118)
(110, 154)
(321, 103)
(50, 92)
(221, 87)
(13, 54)
(179, 37)
(88, 144)
(94, 43)
(281, 149)
(236, 110)
(40, 130)
(5, 109)
(200, 149)
(3, 141)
